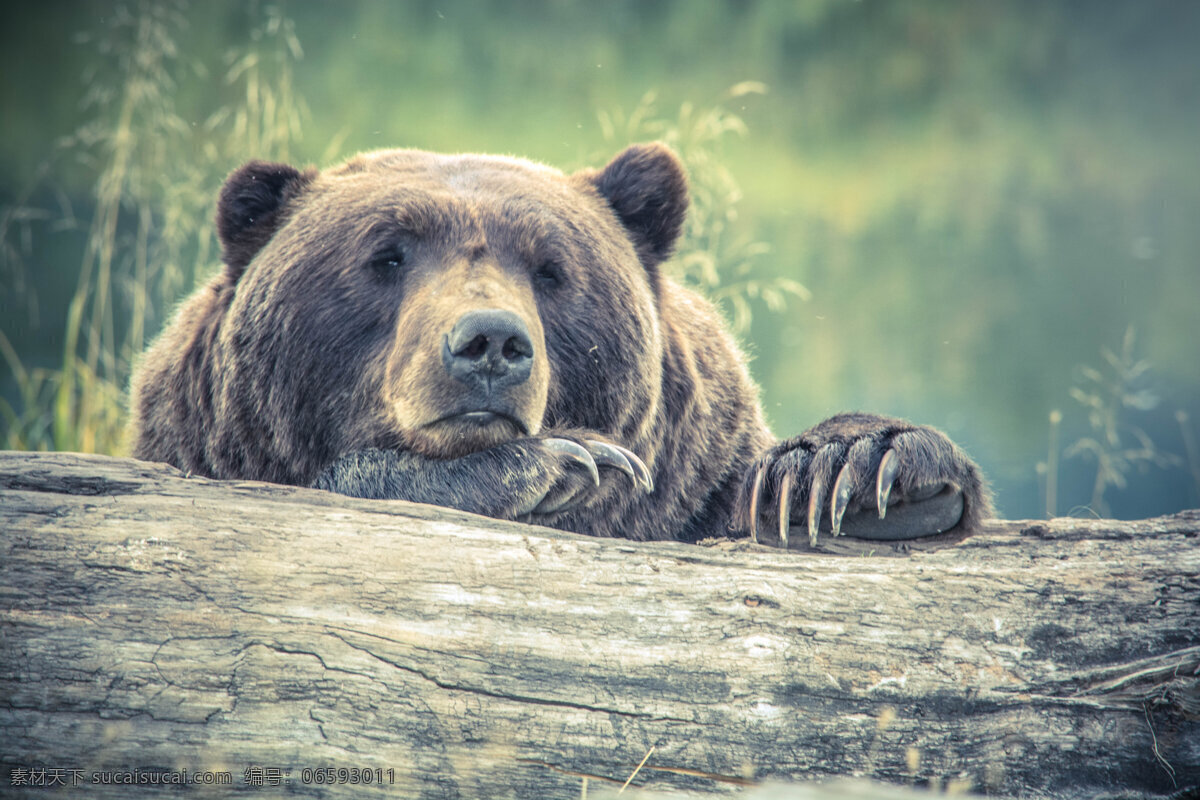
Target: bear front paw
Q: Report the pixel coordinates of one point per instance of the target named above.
(522, 478)
(867, 476)
(579, 473)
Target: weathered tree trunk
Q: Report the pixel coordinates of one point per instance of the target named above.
(152, 622)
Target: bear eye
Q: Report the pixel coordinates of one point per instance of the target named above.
(388, 261)
(548, 275)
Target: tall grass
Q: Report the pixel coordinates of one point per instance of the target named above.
(150, 227)
(151, 206)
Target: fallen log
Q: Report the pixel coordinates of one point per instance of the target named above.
(158, 627)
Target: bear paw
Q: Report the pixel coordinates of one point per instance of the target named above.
(585, 461)
(522, 478)
(878, 477)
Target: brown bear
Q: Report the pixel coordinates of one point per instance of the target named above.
(493, 335)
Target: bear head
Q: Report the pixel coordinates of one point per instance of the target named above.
(440, 303)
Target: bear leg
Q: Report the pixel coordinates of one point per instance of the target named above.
(531, 476)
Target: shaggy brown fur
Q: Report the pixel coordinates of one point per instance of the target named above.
(493, 335)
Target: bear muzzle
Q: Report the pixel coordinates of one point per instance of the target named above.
(490, 359)
(488, 350)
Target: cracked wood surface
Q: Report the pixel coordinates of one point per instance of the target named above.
(151, 621)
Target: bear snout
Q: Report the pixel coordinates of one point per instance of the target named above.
(488, 350)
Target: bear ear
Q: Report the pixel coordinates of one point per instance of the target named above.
(647, 187)
(248, 210)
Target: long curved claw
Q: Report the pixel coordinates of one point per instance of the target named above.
(606, 455)
(754, 493)
(640, 468)
(564, 501)
(785, 508)
(888, 467)
(843, 487)
(577, 452)
(628, 462)
(815, 493)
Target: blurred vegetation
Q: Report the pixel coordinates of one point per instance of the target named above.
(150, 207)
(950, 205)
(1116, 446)
(712, 257)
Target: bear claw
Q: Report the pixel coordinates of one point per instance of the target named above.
(889, 465)
(606, 455)
(815, 493)
(754, 493)
(785, 509)
(843, 487)
(577, 452)
(593, 455)
(625, 460)
(806, 483)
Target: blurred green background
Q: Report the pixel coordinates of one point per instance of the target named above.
(978, 215)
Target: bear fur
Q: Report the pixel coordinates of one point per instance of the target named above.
(493, 335)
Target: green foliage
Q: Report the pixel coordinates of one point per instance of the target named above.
(27, 426)
(1117, 446)
(150, 223)
(947, 179)
(150, 226)
(713, 255)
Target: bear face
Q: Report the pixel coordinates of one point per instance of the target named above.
(491, 334)
(440, 304)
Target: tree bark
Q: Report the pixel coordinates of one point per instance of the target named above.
(152, 622)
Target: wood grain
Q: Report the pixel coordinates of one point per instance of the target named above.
(151, 621)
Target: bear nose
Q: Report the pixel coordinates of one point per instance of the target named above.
(489, 348)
